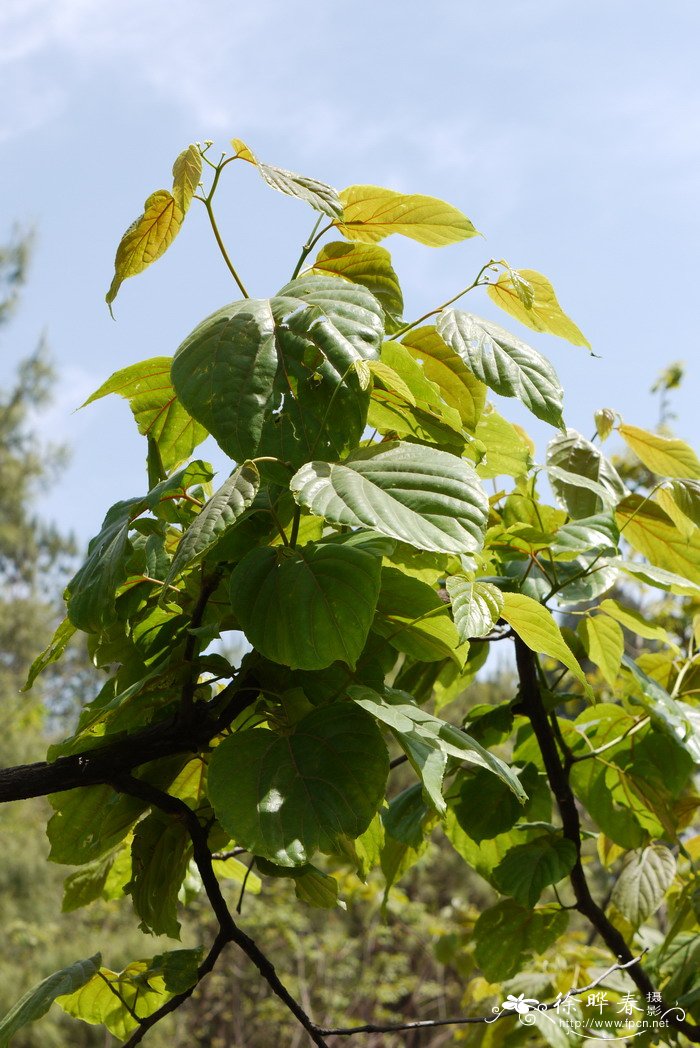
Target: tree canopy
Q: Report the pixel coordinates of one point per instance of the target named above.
(383, 529)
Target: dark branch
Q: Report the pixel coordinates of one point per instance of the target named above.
(228, 929)
(533, 707)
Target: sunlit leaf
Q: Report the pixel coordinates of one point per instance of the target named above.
(652, 533)
(218, 515)
(582, 479)
(667, 456)
(411, 616)
(146, 239)
(156, 408)
(506, 934)
(416, 494)
(321, 197)
(476, 605)
(604, 643)
(504, 363)
(459, 387)
(645, 877)
(371, 213)
(529, 297)
(36, 1002)
(535, 625)
(187, 172)
(365, 264)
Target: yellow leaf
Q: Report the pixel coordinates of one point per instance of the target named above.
(442, 365)
(371, 213)
(146, 239)
(536, 626)
(537, 308)
(187, 171)
(665, 499)
(604, 643)
(652, 533)
(666, 456)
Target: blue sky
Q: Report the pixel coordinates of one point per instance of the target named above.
(568, 132)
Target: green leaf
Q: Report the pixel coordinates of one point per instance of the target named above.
(52, 653)
(686, 495)
(112, 999)
(476, 606)
(635, 622)
(411, 616)
(667, 456)
(420, 728)
(219, 514)
(535, 626)
(442, 365)
(88, 822)
(650, 575)
(317, 889)
(529, 868)
(599, 533)
(86, 884)
(652, 533)
(604, 643)
(146, 239)
(92, 590)
(406, 814)
(507, 365)
(287, 796)
(371, 213)
(37, 1002)
(156, 408)
(418, 495)
(285, 363)
(160, 854)
(643, 882)
(506, 934)
(365, 264)
(529, 297)
(675, 718)
(508, 451)
(582, 479)
(310, 606)
(321, 197)
(485, 807)
(187, 172)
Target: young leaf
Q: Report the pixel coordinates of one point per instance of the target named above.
(537, 628)
(56, 647)
(652, 533)
(667, 456)
(604, 422)
(371, 213)
(321, 197)
(411, 616)
(604, 644)
(219, 514)
(507, 365)
(156, 409)
(418, 495)
(476, 606)
(187, 172)
(458, 386)
(529, 297)
(645, 878)
(365, 264)
(415, 725)
(582, 479)
(529, 868)
(146, 239)
(506, 934)
(36, 1002)
(287, 796)
(307, 607)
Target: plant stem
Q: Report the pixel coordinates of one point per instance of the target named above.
(309, 245)
(439, 309)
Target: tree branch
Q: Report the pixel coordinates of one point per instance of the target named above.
(533, 707)
(228, 929)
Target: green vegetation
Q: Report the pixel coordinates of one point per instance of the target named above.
(383, 531)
